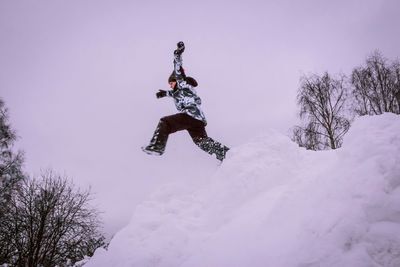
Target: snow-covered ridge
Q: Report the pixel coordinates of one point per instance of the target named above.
(272, 203)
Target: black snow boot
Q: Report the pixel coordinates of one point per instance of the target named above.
(212, 147)
(157, 142)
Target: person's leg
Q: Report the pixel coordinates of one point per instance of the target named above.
(166, 126)
(207, 144)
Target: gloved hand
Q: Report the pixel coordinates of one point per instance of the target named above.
(180, 48)
(161, 93)
(180, 45)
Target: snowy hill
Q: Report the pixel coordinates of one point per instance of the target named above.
(272, 203)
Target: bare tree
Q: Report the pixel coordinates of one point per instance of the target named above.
(307, 137)
(10, 162)
(376, 86)
(396, 87)
(11, 176)
(51, 224)
(322, 107)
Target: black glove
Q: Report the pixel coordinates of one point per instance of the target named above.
(161, 93)
(181, 45)
(180, 49)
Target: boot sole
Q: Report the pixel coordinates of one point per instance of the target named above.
(149, 152)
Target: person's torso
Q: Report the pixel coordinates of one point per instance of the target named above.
(187, 101)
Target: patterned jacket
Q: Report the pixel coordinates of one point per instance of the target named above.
(184, 95)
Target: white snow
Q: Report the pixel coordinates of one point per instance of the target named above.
(272, 203)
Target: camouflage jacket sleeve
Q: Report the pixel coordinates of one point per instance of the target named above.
(170, 93)
(178, 70)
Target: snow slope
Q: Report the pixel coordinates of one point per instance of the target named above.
(272, 203)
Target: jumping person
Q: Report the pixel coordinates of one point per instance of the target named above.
(190, 116)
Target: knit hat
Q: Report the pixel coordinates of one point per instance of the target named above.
(190, 80)
(171, 78)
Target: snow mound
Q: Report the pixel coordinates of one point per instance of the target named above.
(272, 203)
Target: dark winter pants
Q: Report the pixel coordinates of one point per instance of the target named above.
(196, 129)
(182, 121)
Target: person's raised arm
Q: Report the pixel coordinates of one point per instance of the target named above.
(178, 70)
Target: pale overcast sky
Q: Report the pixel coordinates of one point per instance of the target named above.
(79, 79)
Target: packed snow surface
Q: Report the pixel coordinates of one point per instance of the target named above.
(272, 203)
